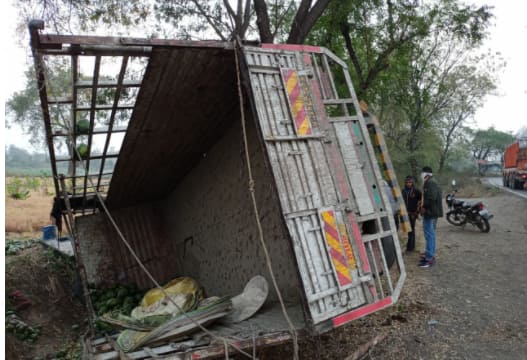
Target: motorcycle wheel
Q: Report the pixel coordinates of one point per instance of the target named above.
(456, 218)
(484, 225)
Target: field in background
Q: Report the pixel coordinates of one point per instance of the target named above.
(28, 202)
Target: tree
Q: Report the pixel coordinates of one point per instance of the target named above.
(487, 142)
(24, 109)
(185, 19)
(470, 85)
(428, 85)
(404, 57)
(377, 34)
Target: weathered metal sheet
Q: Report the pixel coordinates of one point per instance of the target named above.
(354, 167)
(187, 100)
(107, 259)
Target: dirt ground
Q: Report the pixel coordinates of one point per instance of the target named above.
(46, 279)
(470, 305)
(475, 295)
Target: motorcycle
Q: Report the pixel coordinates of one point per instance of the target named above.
(462, 212)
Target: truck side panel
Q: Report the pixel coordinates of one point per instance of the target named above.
(511, 155)
(327, 178)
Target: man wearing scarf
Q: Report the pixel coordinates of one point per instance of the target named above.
(431, 209)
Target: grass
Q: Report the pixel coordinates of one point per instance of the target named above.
(31, 214)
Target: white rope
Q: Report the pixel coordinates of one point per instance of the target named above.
(292, 329)
(227, 342)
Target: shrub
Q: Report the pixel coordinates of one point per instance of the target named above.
(17, 190)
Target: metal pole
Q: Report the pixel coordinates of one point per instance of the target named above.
(76, 251)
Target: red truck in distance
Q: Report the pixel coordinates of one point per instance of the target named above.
(515, 165)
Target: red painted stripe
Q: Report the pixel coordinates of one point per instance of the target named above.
(294, 94)
(291, 47)
(301, 115)
(343, 281)
(362, 311)
(360, 244)
(336, 255)
(331, 231)
(295, 98)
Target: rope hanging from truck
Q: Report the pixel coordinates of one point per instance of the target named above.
(237, 45)
(226, 341)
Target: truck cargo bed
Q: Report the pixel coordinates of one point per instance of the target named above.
(267, 327)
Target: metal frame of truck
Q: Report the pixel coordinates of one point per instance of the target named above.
(316, 153)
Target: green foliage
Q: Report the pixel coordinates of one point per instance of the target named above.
(489, 141)
(17, 190)
(58, 263)
(69, 351)
(20, 329)
(14, 246)
(118, 299)
(19, 187)
(24, 109)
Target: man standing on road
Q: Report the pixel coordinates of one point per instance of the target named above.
(431, 209)
(411, 197)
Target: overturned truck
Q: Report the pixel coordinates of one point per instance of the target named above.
(219, 161)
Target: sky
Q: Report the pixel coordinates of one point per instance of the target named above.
(505, 112)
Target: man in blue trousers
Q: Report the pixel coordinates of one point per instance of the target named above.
(431, 209)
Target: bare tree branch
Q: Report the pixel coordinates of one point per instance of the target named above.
(211, 23)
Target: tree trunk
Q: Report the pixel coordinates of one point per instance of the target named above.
(262, 20)
(305, 19)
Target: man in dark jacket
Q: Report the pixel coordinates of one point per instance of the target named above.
(431, 209)
(411, 197)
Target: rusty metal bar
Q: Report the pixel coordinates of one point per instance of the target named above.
(95, 157)
(73, 130)
(112, 115)
(76, 252)
(100, 130)
(87, 84)
(34, 26)
(104, 107)
(50, 41)
(99, 50)
(96, 69)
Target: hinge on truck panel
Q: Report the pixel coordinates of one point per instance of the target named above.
(306, 72)
(365, 278)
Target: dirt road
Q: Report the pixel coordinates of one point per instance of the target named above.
(475, 296)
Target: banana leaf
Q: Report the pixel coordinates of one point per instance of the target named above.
(179, 326)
